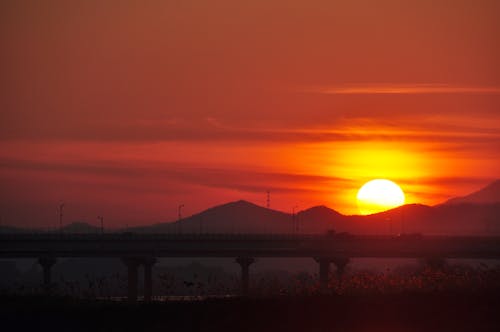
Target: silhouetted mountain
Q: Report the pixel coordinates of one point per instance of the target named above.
(246, 217)
(450, 219)
(12, 230)
(235, 217)
(468, 218)
(80, 228)
(319, 219)
(487, 195)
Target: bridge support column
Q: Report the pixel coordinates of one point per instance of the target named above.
(245, 263)
(340, 264)
(324, 269)
(148, 278)
(47, 263)
(132, 271)
(324, 273)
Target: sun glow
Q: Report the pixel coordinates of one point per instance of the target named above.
(379, 195)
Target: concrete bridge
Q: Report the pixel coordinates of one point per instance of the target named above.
(137, 250)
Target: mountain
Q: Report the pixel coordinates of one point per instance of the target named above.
(234, 217)
(81, 228)
(487, 195)
(468, 218)
(403, 219)
(245, 217)
(74, 228)
(320, 219)
(474, 214)
(450, 219)
(12, 230)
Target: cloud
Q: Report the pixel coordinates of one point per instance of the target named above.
(423, 131)
(158, 174)
(404, 89)
(477, 181)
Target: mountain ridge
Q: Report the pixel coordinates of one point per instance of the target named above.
(461, 217)
(488, 194)
(478, 217)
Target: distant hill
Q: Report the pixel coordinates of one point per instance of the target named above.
(474, 214)
(403, 219)
(319, 219)
(75, 228)
(487, 195)
(246, 217)
(452, 219)
(12, 230)
(81, 228)
(235, 217)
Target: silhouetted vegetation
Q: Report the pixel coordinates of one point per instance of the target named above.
(442, 311)
(197, 280)
(433, 297)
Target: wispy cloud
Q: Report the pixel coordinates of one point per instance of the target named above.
(152, 174)
(404, 89)
(352, 130)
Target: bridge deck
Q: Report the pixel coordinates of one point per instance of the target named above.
(251, 245)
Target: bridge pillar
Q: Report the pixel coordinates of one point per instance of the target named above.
(324, 269)
(148, 278)
(47, 263)
(245, 263)
(340, 264)
(324, 273)
(132, 271)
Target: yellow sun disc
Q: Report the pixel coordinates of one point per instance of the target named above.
(379, 195)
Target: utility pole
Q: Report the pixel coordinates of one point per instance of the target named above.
(61, 207)
(101, 219)
(179, 210)
(294, 221)
(268, 200)
(297, 223)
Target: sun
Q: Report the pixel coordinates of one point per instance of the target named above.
(379, 195)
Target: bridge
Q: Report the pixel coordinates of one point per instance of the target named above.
(137, 250)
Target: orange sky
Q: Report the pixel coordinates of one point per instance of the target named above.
(128, 109)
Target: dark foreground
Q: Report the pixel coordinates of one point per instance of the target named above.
(373, 313)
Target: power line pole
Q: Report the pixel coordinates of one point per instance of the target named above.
(61, 207)
(179, 210)
(294, 221)
(297, 223)
(101, 219)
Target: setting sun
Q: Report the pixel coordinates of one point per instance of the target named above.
(379, 195)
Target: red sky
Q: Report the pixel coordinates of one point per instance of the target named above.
(129, 108)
